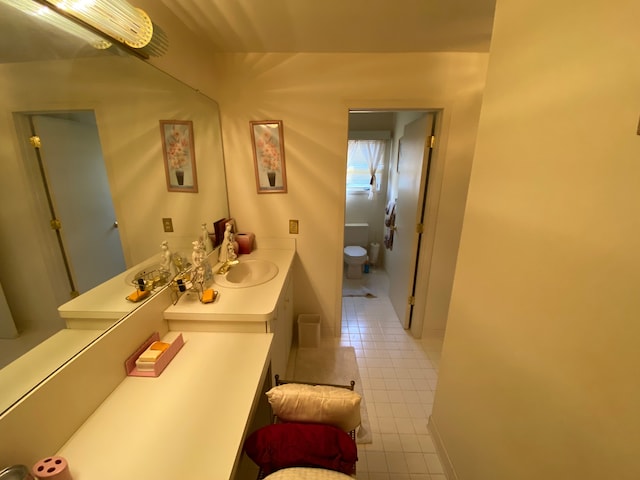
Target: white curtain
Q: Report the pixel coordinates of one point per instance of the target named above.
(354, 147)
(373, 152)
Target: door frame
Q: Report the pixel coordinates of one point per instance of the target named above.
(429, 216)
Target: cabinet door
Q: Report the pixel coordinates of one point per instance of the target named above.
(287, 315)
(282, 328)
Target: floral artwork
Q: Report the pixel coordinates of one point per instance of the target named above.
(179, 155)
(268, 154)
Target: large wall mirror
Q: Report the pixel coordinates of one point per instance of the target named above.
(98, 115)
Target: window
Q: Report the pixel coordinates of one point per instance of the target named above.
(365, 161)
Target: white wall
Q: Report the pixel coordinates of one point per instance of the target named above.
(360, 209)
(539, 373)
(312, 94)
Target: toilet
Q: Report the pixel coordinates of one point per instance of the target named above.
(356, 237)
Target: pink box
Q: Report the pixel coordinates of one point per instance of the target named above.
(245, 242)
(163, 360)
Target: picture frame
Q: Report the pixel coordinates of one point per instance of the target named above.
(178, 150)
(267, 139)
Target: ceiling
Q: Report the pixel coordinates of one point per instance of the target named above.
(331, 26)
(338, 25)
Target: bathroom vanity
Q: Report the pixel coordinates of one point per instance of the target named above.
(263, 308)
(189, 422)
(237, 309)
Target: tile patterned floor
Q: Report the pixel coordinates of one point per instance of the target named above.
(399, 376)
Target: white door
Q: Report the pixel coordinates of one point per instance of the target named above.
(80, 195)
(412, 179)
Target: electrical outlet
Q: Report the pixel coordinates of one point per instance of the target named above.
(293, 226)
(167, 224)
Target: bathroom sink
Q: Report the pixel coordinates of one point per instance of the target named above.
(247, 273)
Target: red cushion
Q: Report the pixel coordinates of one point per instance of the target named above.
(284, 445)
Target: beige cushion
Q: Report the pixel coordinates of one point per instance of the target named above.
(305, 473)
(294, 402)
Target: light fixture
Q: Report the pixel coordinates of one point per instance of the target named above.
(100, 23)
(117, 18)
(45, 14)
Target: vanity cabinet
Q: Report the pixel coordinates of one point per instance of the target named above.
(281, 325)
(263, 308)
(206, 401)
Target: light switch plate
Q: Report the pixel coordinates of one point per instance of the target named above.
(167, 224)
(293, 226)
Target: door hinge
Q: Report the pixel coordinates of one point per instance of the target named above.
(411, 300)
(420, 228)
(35, 141)
(432, 141)
(55, 224)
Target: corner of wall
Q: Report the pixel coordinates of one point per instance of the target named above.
(447, 465)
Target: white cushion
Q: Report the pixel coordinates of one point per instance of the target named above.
(295, 402)
(305, 473)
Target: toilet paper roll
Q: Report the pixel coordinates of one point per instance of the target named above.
(52, 468)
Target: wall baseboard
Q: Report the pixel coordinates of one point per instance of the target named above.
(447, 466)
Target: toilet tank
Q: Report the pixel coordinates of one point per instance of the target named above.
(356, 234)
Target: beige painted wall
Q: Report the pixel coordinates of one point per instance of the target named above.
(312, 94)
(539, 374)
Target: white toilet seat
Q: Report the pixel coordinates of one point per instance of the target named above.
(355, 257)
(355, 252)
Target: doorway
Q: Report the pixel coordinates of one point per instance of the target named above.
(404, 256)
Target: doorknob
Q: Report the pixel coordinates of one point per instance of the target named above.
(115, 224)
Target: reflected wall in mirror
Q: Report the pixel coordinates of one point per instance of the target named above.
(121, 100)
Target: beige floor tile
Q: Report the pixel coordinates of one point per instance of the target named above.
(399, 376)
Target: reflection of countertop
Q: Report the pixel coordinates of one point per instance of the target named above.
(21, 375)
(251, 304)
(189, 422)
(107, 300)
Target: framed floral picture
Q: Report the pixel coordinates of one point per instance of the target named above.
(179, 155)
(268, 155)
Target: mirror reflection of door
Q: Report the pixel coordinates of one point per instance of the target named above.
(73, 180)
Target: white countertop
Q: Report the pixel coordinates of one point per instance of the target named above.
(107, 300)
(249, 304)
(188, 423)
